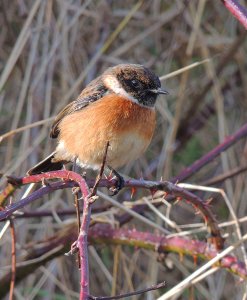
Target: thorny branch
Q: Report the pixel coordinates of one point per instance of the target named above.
(165, 186)
(81, 242)
(107, 234)
(43, 251)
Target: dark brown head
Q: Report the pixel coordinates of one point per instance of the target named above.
(135, 82)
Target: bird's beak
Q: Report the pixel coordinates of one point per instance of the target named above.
(159, 91)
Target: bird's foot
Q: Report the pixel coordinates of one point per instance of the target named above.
(114, 190)
(84, 174)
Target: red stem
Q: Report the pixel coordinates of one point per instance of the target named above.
(237, 10)
(60, 174)
(13, 262)
(82, 246)
(82, 238)
(104, 233)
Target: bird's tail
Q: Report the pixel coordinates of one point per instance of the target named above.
(46, 165)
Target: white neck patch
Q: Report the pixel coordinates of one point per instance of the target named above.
(113, 84)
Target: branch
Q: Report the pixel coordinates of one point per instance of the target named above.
(180, 193)
(43, 251)
(13, 259)
(237, 10)
(99, 234)
(82, 243)
(165, 186)
(211, 155)
(121, 296)
(222, 177)
(60, 212)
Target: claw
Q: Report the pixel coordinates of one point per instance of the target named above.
(119, 183)
(84, 174)
(45, 182)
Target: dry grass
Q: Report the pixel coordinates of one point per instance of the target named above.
(49, 50)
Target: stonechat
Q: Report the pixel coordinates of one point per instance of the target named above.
(116, 107)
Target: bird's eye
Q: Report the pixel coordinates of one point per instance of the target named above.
(135, 83)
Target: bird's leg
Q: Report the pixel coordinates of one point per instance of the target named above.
(74, 165)
(119, 184)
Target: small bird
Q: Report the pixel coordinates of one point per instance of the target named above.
(116, 107)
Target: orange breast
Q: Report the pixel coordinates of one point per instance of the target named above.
(127, 126)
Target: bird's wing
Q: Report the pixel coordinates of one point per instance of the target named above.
(93, 92)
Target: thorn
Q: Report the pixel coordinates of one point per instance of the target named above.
(133, 191)
(195, 258)
(178, 199)
(84, 174)
(197, 211)
(75, 190)
(73, 250)
(92, 199)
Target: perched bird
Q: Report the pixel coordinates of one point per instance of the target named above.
(117, 107)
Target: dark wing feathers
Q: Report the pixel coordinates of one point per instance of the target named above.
(46, 165)
(93, 92)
